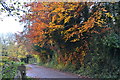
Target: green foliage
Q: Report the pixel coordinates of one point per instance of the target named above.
(112, 40)
(103, 60)
(100, 68)
(9, 66)
(69, 68)
(75, 32)
(9, 69)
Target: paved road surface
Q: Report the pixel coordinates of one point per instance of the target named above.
(42, 72)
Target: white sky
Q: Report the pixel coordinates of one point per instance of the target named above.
(10, 25)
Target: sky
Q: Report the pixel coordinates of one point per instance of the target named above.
(9, 25)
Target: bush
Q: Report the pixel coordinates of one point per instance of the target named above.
(103, 59)
(9, 68)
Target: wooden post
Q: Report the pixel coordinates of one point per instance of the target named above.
(22, 70)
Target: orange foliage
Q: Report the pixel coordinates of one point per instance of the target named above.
(59, 23)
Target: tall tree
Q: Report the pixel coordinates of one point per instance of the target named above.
(66, 26)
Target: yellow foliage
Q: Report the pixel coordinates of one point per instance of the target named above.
(21, 56)
(53, 18)
(1, 63)
(67, 19)
(109, 15)
(61, 16)
(58, 10)
(74, 40)
(43, 51)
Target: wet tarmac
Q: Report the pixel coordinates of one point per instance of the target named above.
(36, 71)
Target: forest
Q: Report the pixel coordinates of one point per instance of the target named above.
(78, 37)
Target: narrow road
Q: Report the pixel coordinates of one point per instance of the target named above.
(35, 71)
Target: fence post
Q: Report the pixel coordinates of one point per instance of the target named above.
(22, 70)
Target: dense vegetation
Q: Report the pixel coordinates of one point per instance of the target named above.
(9, 67)
(10, 57)
(79, 37)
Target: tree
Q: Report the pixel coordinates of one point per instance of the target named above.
(66, 26)
(11, 48)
